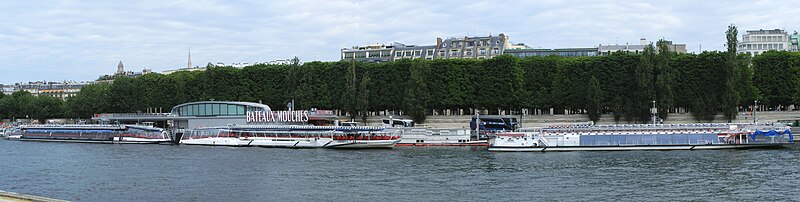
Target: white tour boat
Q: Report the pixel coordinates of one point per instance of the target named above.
(292, 136)
(587, 137)
(89, 133)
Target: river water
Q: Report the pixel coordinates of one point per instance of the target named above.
(108, 172)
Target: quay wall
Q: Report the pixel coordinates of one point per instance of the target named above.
(437, 121)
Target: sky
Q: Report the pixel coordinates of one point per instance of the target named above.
(68, 40)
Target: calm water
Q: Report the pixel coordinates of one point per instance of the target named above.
(98, 172)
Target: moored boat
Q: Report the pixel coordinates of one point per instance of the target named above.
(292, 136)
(89, 133)
(438, 137)
(587, 137)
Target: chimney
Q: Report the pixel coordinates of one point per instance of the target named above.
(438, 42)
(642, 41)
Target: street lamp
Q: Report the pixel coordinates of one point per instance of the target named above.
(654, 111)
(755, 104)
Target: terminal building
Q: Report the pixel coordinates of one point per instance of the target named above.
(220, 113)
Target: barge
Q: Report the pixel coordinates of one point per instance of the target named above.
(587, 137)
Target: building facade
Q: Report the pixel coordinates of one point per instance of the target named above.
(62, 90)
(369, 53)
(564, 52)
(755, 42)
(608, 49)
(794, 46)
(481, 47)
(471, 47)
(414, 52)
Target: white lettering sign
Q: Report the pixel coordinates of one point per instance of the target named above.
(277, 116)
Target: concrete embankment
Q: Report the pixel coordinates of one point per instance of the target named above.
(17, 197)
(542, 120)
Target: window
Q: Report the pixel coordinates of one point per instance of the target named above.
(441, 53)
(361, 54)
(453, 52)
(408, 53)
(417, 53)
(398, 54)
(240, 110)
(374, 54)
(496, 51)
(468, 53)
(214, 109)
(429, 52)
(223, 109)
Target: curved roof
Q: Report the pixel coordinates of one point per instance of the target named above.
(250, 104)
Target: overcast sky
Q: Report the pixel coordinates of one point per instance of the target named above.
(81, 40)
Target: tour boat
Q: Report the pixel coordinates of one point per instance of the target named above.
(292, 136)
(437, 137)
(419, 136)
(587, 137)
(89, 133)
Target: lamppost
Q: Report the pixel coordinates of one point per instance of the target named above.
(755, 104)
(654, 111)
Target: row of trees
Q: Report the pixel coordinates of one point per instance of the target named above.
(622, 84)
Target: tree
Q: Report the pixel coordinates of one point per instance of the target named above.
(776, 76)
(90, 100)
(594, 98)
(416, 92)
(730, 98)
(47, 107)
(363, 101)
(351, 91)
(643, 94)
(663, 77)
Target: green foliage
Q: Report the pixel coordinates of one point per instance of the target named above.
(92, 99)
(416, 92)
(594, 98)
(776, 76)
(622, 84)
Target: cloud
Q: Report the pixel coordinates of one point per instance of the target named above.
(80, 40)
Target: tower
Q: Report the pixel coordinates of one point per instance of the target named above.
(189, 66)
(120, 68)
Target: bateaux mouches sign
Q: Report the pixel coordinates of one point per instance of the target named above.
(277, 116)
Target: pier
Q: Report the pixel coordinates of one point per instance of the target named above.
(17, 197)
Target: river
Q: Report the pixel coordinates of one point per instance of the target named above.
(112, 172)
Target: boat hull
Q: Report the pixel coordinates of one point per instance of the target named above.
(445, 144)
(114, 141)
(362, 144)
(633, 147)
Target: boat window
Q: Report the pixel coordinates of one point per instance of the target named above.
(209, 108)
(215, 109)
(240, 110)
(223, 109)
(201, 110)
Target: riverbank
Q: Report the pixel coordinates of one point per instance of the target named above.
(439, 121)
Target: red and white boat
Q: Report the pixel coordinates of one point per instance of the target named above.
(293, 136)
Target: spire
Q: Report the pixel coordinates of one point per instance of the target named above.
(190, 59)
(120, 68)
